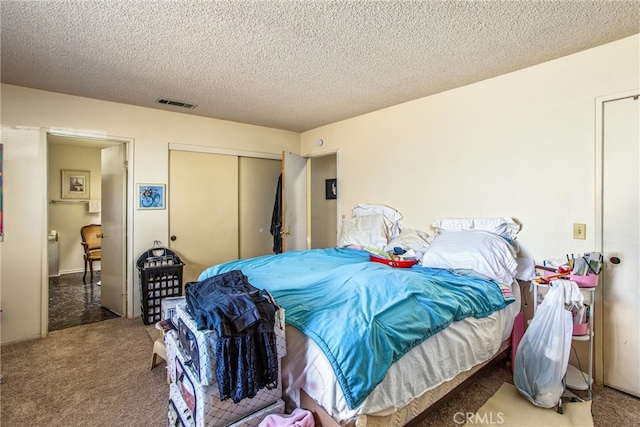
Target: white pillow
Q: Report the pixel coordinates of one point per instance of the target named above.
(481, 251)
(505, 227)
(394, 218)
(367, 230)
(409, 239)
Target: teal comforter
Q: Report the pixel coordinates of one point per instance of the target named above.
(364, 315)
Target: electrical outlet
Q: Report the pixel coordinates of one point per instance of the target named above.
(580, 231)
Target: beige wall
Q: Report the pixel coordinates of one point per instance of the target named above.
(519, 145)
(67, 218)
(26, 115)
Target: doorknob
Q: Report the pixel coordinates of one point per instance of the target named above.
(614, 260)
(286, 232)
(101, 236)
(173, 238)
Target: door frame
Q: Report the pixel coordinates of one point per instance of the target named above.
(598, 224)
(225, 151)
(129, 279)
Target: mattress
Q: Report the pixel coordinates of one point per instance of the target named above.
(461, 347)
(350, 306)
(376, 338)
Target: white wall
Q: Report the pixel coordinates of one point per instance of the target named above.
(24, 245)
(519, 145)
(25, 204)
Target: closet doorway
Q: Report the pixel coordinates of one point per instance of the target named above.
(310, 200)
(220, 207)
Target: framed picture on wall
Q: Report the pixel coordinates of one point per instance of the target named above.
(151, 196)
(75, 184)
(331, 189)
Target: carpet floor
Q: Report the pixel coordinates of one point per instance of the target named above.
(509, 408)
(99, 375)
(89, 375)
(609, 407)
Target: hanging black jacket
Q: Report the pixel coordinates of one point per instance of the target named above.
(276, 219)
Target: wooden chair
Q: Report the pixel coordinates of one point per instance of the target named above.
(92, 243)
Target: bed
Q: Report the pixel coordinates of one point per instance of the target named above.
(373, 345)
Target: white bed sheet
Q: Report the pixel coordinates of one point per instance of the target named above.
(441, 357)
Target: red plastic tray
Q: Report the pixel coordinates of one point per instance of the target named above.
(394, 263)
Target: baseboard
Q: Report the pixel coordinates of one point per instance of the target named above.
(72, 271)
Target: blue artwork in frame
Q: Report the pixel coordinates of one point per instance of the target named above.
(151, 196)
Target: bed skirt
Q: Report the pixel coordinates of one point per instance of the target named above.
(415, 411)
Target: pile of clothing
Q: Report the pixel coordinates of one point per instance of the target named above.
(244, 318)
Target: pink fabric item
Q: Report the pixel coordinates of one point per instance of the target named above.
(298, 418)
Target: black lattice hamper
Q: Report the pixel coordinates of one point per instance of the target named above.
(160, 272)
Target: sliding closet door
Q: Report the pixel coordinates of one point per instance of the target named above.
(203, 209)
(257, 186)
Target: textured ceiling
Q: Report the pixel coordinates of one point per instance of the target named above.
(292, 65)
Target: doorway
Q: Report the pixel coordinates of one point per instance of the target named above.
(72, 299)
(324, 201)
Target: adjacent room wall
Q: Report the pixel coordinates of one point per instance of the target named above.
(31, 112)
(323, 210)
(68, 217)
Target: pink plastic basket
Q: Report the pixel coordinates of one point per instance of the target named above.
(580, 328)
(589, 281)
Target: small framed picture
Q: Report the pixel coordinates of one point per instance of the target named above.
(75, 184)
(331, 189)
(151, 196)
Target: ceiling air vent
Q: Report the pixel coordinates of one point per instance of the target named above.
(176, 103)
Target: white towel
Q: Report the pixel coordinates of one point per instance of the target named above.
(572, 295)
(95, 206)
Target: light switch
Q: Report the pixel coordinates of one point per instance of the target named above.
(580, 231)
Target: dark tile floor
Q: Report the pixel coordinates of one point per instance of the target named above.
(73, 303)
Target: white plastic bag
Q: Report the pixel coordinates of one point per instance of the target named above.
(543, 353)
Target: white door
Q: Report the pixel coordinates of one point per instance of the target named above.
(203, 210)
(114, 247)
(294, 202)
(621, 241)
